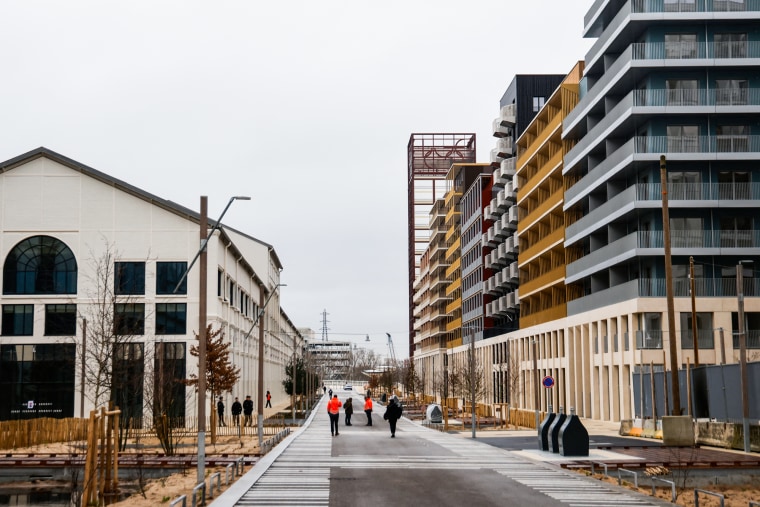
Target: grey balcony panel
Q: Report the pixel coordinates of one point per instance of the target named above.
(602, 259)
(592, 21)
(601, 131)
(610, 33)
(622, 203)
(611, 296)
(600, 174)
(600, 89)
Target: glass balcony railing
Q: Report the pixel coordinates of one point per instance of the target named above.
(696, 97)
(704, 287)
(698, 144)
(705, 339)
(700, 238)
(752, 339)
(644, 6)
(699, 191)
(686, 50)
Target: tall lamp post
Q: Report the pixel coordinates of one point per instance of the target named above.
(260, 401)
(202, 300)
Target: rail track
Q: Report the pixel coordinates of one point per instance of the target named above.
(126, 460)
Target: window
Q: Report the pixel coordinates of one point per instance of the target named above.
(731, 92)
(232, 293)
(171, 318)
(219, 278)
(169, 389)
(704, 331)
(736, 232)
(129, 278)
(682, 279)
(538, 103)
(684, 185)
(680, 45)
(732, 138)
(751, 329)
(687, 232)
(128, 380)
(682, 92)
(18, 320)
(40, 265)
(168, 275)
(730, 45)
(60, 320)
(729, 5)
(129, 319)
(680, 5)
(734, 184)
(683, 138)
(43, 373)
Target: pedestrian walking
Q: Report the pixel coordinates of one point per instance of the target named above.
(220, 411)
(236, 409)
(248, 411)
(329, 394)
(269, 400)
(333, 408)
(393, 413)
(348, 408)
(324, 389)
(368, 409)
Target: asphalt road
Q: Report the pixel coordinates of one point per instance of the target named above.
(364, 466)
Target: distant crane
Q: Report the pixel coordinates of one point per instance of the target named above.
(391, 350)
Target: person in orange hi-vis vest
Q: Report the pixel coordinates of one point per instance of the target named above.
(368, 409)
(333, 409)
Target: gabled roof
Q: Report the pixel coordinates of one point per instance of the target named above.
(123, 186)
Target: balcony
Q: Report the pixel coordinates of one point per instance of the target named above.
(496, 159)
(505, 147)
(508, 115)
(724, 144)
(752, 339)
(705, 339)
(501, 130)
(649, 339)
(507, 222)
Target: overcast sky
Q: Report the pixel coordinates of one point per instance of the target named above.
(306, 106)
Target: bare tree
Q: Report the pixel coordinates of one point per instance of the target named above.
(113, 352)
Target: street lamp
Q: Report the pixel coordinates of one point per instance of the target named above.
(260, 402)
(202, 301)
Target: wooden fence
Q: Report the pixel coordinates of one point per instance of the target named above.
(46, 430)
(42, 431)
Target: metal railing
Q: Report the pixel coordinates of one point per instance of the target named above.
(720, 497)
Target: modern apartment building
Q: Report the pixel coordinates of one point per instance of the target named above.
(671, 79)
(523, 99)
(429, 158)
(89, 260)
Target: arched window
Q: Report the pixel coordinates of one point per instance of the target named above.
(40, 265)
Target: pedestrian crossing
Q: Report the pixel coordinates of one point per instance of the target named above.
(300, 476)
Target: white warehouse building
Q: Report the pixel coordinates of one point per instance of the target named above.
(90, 267)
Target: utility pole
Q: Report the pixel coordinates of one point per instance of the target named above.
(202, 297)
(694, 330)
(472, 378)
(669, 291)
(743, 355)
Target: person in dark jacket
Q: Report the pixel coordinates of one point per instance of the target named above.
(393, 413)
(248, 411)
(237, 408)
(220, 411)
(348, 408)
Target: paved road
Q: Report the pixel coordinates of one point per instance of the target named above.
(363, 466)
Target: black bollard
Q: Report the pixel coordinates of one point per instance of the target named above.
(543, 431)
(554, 430)
(573, 437)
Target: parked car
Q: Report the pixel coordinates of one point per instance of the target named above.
(348, 387)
